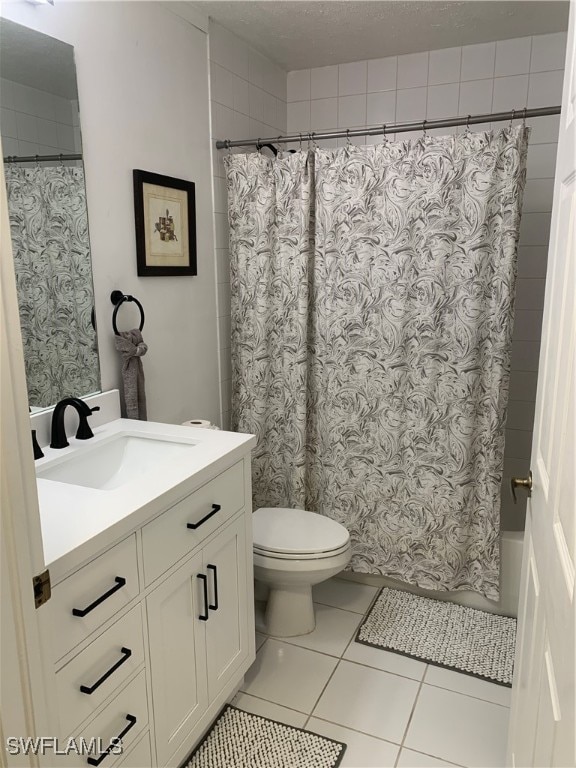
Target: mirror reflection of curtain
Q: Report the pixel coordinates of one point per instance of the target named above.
(49, 228)
(372, 307)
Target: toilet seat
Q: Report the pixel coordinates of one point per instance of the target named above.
(296, 534)
(301, 555)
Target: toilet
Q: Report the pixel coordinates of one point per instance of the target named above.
(293, 550)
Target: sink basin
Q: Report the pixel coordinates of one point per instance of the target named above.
(125, 459)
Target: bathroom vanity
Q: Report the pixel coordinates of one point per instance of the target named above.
(147, 536)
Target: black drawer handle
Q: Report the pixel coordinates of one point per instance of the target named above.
(215, 572)
(131, 723)
(126, 653)
(215, 508)
(120, 582)
(205, 583)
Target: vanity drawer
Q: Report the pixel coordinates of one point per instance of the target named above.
(140, 756)
(100, 669)
(88, 598)
(127, 714)
(168, 538)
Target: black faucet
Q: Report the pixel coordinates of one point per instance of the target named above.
(58, 430)
(37, 450)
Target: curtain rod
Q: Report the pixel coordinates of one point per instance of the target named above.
(385, 128)
(40, 158)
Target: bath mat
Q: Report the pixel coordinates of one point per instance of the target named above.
(447, 635)
(239, 739)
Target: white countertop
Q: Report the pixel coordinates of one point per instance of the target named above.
(78, 522)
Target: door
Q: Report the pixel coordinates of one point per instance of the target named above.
(227, 627)
(27, 675)
(177, 656)
(542, 718)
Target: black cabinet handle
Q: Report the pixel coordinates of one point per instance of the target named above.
(120, 582)
(126, 653)
(131, 723)
(215, 508)
(205, 582)
(215, 572)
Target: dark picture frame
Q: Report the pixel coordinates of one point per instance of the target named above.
(165, 216)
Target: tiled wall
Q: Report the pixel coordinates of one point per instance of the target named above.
(490, 77)
(34, 122)
(247, 98)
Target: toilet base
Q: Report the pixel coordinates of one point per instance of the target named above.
(290, 610)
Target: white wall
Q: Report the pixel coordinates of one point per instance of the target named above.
(510, 74)
(143, 91)
(248, 98)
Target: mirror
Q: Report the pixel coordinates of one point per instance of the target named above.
(48, 215)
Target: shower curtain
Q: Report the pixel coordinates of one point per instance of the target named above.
(372, 315)
(49, 229)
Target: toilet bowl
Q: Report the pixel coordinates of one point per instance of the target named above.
(293, 550)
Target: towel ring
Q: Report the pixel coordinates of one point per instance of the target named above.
(117, 298)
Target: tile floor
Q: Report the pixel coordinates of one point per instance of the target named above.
(390, 710)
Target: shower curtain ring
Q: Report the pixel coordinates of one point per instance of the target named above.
(512, 118)
(259, 146)
(348, 142)
(468, 124)
(37, 161)
(314, 142)
(524, 117)
(300, 137)
(424, 132)
(228, 147)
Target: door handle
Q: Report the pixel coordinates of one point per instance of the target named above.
(204, 579)
(89, 689)
(215, 508)
(120, 582)
(521, 482)
(215, 574)
(96, 761)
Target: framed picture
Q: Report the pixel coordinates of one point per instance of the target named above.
(165, 210)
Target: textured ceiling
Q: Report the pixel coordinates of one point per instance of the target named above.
(31, 58)
(299, 34)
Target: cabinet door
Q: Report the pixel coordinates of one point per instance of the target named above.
(227, 627)
(177, 656)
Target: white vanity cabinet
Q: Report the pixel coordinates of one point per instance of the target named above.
(198, 631)
(169, 632)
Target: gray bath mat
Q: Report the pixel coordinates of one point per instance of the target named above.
(239, 739)
(441, 633)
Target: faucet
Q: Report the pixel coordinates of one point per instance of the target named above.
(59, 431)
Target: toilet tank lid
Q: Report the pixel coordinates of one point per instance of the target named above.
(281, 529)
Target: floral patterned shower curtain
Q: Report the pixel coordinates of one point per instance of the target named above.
(405, 295)
(271, 261)
(49, 229)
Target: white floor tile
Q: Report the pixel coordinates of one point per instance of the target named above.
(334, 630)
(362, 751)
(471, 686)
(345, 594)
(458, 728)
(270, 710)
(260, 640)
(385, 660)
(287, 675)
(411, 759)
(368, 700)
